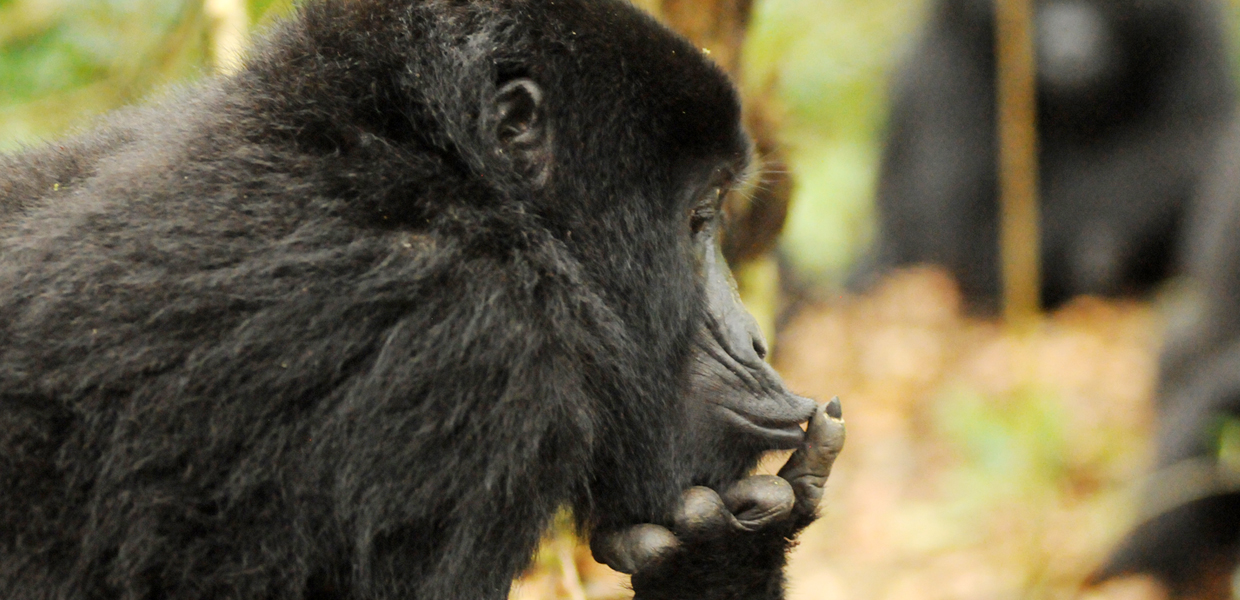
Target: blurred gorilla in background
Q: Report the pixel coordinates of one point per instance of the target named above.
(1189, 535)
(1131, 98)
(358, 320)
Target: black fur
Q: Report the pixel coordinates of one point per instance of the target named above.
(321, 330)
(1131, 97)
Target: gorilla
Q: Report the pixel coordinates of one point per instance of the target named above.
(1131, 96)
(358, 320)
(1189, 537)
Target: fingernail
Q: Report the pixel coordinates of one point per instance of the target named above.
(834, 410)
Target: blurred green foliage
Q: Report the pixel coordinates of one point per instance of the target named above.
(828, 62)
(65, 61)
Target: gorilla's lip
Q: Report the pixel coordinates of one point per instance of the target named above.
(780, 434)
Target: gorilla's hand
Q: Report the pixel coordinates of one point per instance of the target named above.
(730, 545)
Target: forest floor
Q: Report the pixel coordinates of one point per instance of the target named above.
(980, 464)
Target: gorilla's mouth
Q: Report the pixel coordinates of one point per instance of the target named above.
(745, 393)
(780, 432)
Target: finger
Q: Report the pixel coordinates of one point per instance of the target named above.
(631, 550)
(808, 468)
(758, 501)
(702, 514)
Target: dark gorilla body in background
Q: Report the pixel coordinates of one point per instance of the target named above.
(1190, 538)
(1131, 98)
(355, 322)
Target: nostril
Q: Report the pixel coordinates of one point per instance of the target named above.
(760, 348)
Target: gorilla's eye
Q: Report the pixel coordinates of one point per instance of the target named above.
(706, 210)
(700, 219)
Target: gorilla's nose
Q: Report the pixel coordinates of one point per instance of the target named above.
(759, 346)
(745, 340)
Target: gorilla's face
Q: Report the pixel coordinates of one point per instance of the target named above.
(738, 405)
(730, 374)
(640, 184)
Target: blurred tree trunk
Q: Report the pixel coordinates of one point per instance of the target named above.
(755, 218)
(1019, 246)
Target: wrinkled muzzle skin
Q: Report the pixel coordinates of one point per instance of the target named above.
(731, 379)
(729, 535)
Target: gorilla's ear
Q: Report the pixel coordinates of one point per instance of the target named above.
(519, 124)
(518, 106)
